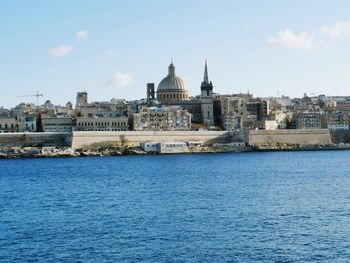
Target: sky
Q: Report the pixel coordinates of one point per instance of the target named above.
(112, 48)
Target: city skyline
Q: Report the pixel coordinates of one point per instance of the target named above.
(113, 49)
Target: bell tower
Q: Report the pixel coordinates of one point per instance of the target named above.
(207, 99)
(150, 93)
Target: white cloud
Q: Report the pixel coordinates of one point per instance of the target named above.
(339, 29)
(60, 51)
(119, 79)
(288, 39)
(82, 34)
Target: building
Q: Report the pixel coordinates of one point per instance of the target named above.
(337, 120)
(165, 147)
(9, 124)
(82, 100)
(232, 108)
(257, 112)
(101, 124)
(162, 119)
(112, 115)
(30, 123)
(309, 120)
(57, 124)
(207, 100)
(173, 91)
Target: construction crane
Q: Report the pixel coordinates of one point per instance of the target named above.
(37, 95)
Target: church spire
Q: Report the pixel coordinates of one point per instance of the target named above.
(206, 78)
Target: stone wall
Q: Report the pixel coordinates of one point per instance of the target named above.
(35, 139)
(134, 138)
(341, 136)
(300, 137)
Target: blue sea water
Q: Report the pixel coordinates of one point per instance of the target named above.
(242, 207)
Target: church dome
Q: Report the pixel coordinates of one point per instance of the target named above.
(172, 82)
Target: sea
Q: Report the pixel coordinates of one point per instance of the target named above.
(233, 207)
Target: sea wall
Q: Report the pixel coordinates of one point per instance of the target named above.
(298, 137)
(35, 139)
(205, 138)
(134, 138)
(340, 136)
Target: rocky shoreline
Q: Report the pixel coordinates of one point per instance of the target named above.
(54, 152)
(51, 152)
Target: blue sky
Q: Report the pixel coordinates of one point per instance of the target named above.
(113, 48)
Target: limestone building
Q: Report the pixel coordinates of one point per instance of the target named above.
(57, 124)
(101, 116)
(173, 91)
(207, 99)
(162, 119)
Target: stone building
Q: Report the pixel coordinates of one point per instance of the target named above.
(30, 123)
(173, 91)
(57, 124)
(257, 112)
(114, 115)
(337, 120)
(82, 99)
(232, 112)
(10, 124)
(207, 100)
(162, 119)
(101, 124)
(309, 120)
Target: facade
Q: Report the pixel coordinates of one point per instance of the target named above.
(173, 147)
(257, 112)
(57, 124)
(343, 105)
(232, 112)
(8, 124)
(162, 119)
(337, 120)
(101, 116)
(101, 124)
(30, 124)
(165, 147)
(310, 120)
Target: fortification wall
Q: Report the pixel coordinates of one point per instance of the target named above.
(134, 138)
(301, 137)
(340, 136)
(35, 139)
